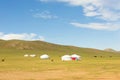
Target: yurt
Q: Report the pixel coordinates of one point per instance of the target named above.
(75, 57)
(66, 58)
(32, 55)
(44, 56)
(26, 55)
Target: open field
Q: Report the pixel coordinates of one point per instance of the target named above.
(106, 66)
(17, 67)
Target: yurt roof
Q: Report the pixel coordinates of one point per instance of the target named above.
(75, 55)
(44, 56)
(66, 56)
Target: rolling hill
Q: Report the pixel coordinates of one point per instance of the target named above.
(40, 47)
(111, 50)
(94, 65)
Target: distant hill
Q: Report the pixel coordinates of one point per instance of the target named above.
(110, 50)
(20, 46)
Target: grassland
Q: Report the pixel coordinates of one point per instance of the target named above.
(106, 66)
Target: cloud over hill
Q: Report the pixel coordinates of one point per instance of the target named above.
(22, 36)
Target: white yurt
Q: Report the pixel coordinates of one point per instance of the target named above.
(32, 55)
(75, 57)
(66, 58)
(26, 55)
(44, 56)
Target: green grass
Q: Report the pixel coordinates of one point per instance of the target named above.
(15, 60)
(86, 69)
(89, 68)
(92, 68)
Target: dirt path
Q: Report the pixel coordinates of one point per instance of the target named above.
(56, 75)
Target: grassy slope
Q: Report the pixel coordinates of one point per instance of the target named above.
(39, 47)
(89, 68)
(17, 48)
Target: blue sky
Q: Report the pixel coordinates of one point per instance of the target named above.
(83, 23)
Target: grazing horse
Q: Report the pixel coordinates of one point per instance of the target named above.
(3, 60)
(95, 56)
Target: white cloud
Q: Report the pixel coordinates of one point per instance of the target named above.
(44, 0)
(97, 26)
(103, 9)
(45, 15)
(41, 38)
(23, 36)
